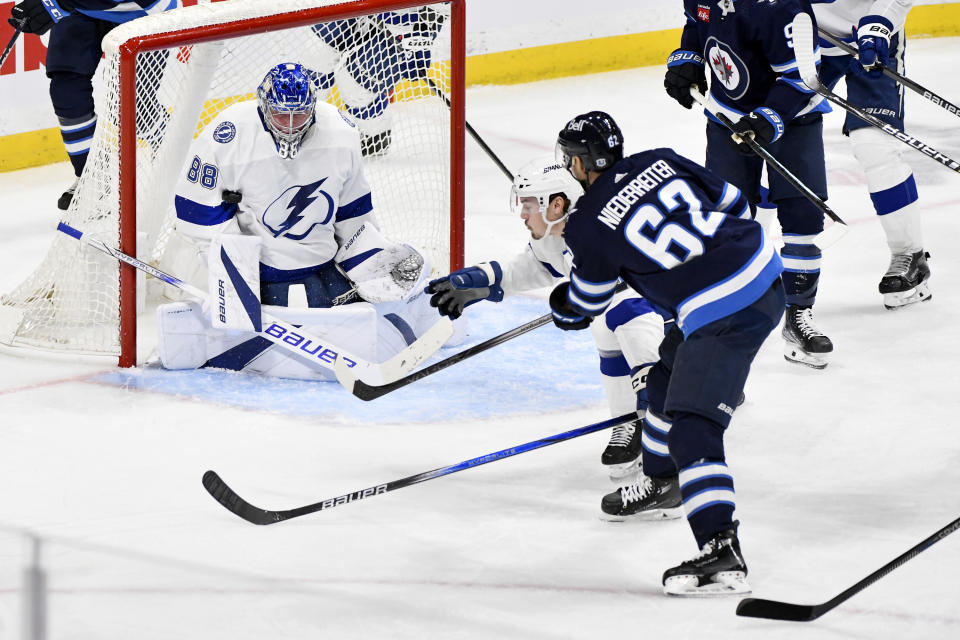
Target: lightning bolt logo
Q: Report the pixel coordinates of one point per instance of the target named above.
(293, 212)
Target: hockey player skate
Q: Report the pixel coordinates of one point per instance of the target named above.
(905, 281)
(647, 499)
(622, 455)
(805, 343)
(63, 202)
(718, 570)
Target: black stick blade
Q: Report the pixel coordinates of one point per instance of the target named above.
(773, 610)
(226, 496)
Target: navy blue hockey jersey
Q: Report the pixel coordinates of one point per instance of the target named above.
(748, 44)
(120, 10)
(675, 233)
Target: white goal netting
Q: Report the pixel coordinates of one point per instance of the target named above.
(387, 71)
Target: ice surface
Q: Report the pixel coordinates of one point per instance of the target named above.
(837, 471)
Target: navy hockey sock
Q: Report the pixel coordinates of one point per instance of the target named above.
(656, 455)
(708, 498)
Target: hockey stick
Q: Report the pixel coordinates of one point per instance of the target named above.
(890, 73)
(803, 32)
(774, 610)
(473, 133)
(13, 40)
(825, 238)
(368, 392)
(226, 496)
(290, 337)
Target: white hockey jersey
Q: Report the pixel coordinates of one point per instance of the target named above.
(840, 17)
(303, 208)
(542, 263)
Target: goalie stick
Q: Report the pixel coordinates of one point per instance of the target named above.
(803, 32)
(775, 610)
(890, 73)
(368, 392)
(825, 238)
(290, 337)
(13, 40)
(227, 497)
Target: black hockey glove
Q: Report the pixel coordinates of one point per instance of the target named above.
(564, 315)
(684, 70)
(764, 125)
(466, 286)
(37, 16)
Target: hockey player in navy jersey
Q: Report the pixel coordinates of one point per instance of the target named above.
(684, 239)
(73, 53)
(748, 47)
(876, 26)
(626, 334)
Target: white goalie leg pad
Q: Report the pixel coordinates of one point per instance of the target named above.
(234, 282)
(182, 339)
(351, 327)
(882, 162)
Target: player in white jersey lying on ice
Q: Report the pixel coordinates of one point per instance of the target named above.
(275, 192)
(627, 334)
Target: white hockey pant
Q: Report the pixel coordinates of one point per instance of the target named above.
(880, 157)
(632, 343)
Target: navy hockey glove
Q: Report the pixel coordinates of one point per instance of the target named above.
(466, 286)
(764, 125)
(873, 40)
(564, 315)
(684, 70)
(37, 16)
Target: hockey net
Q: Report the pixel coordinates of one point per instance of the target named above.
(185, 67)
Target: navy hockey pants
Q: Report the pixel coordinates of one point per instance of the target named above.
(801, 151)
(693, 391)
(877, 94)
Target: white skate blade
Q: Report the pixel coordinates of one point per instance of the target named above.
(793, 353)
(920, 293)
(725, 583)
(645, 516)
(625, 473)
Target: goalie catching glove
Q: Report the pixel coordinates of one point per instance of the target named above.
(466, 286)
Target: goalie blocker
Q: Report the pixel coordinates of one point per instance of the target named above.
(222, 332)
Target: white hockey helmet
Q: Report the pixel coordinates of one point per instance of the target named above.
(543, 179)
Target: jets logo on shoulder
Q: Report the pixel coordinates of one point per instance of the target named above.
(298, 210)
(225, 132)
(728, 68)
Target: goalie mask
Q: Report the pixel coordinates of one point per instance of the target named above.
(288, 99)
(537, 184)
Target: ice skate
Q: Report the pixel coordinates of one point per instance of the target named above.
(718, 570)
(805, 343)
(647, 499)
(906, 280)
(63, 202)
(622, 455)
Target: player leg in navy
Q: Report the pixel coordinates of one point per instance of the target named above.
(72, 58)
(800, 221)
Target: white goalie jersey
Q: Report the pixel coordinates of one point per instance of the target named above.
(303, 209)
